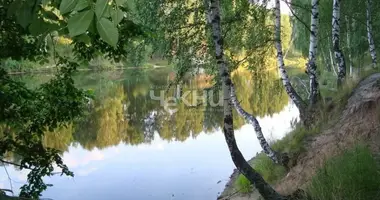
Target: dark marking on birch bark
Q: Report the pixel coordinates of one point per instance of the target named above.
(336, 41)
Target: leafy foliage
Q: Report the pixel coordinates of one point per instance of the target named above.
(182, 33)
(29, 113)
(353, 29)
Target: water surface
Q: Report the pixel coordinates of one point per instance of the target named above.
(130, 146)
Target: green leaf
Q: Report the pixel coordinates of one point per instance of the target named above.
(120, 2)
(45, 2)
(92, 28)
(15, 6)
(67, 6)
(49, 15)
(117, 15)
(84, 38)
(101, 7)
(107, 12)
(108, 31)
(24, 16)
(80, 22)
(38, 27)
(82, 4)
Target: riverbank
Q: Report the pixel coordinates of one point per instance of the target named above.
(20, 67)
(53, 69)
(344, 142)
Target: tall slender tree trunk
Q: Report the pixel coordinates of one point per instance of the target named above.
(332, 62)
(301, 105)
(277, 158)
(348, 31)
(312, 65)
(336, 40)
(326, 61)
(241, 164)
(372, 48)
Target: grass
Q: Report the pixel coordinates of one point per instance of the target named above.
(334, 180)
(351, 176)
(293, 142)
(243, 185)
(270, 171)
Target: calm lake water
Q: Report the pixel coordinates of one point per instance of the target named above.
(130, 146)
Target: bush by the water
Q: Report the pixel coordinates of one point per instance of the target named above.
(355, 175)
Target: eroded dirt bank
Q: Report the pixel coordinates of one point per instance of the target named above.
(359, 122)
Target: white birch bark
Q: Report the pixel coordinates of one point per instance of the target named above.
(241, 164)
(312, 65)
(253, 121)
(332, 62)
(372, 48)
(280, 62)
(348, 37)
(336, 40)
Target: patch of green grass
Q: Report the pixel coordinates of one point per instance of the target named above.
(351, 176)
(293, 142)
(270, 171)
(243, 185)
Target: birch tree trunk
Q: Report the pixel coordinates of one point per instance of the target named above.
(372, 48)
(332, 62)
(336, 40)
(259, 134)
(312, 65)
(241, 164)
(301, 105)
(348, 31)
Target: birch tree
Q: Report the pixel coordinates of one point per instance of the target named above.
(336, 40)
(280, 62)
(274, 156)
(372, 48)
(241, 164)
(311, 66)
(348, 38)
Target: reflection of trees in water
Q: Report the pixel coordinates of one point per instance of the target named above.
(60, 138)
(104, 126)
(261, 94)
(124, 112)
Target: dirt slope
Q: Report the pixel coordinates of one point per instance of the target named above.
(359, 122)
